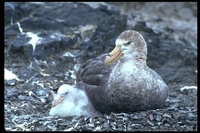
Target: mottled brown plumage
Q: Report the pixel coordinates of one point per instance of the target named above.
(121, 81)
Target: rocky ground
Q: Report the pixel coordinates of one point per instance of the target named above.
(45, 43)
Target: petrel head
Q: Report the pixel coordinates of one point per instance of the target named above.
(129, 45)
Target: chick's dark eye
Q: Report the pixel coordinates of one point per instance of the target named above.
(127, 43)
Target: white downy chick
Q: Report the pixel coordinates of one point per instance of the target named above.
(71, 101)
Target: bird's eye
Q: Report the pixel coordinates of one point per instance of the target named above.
(127, 43)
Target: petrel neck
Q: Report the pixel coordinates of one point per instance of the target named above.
(134, 59)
